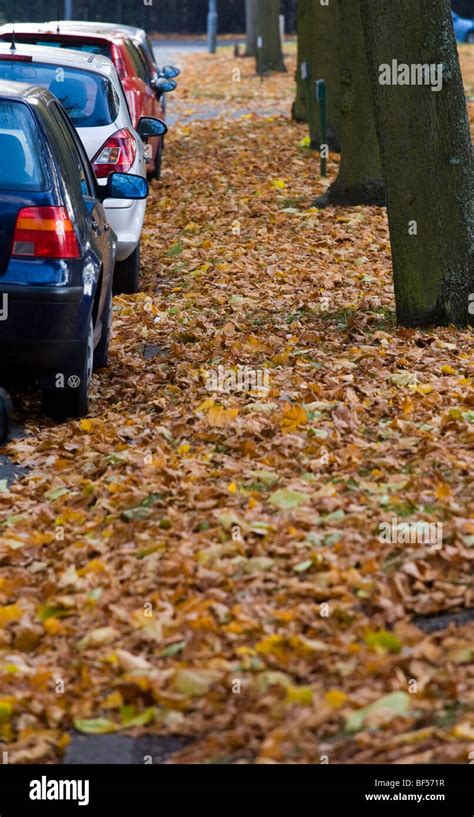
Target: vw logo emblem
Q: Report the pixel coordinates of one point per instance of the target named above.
(74, 381)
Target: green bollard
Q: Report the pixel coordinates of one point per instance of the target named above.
(321, 98)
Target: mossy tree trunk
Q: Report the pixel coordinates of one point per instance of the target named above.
(319, 48)
(427, 160)
(251, 24)
(269, 53)
(360, 173)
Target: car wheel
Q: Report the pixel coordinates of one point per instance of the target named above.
(5, 415)
(470, 37)
(127, 274)
(73, 401)
(101, 354)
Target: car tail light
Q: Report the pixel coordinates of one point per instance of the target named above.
(117, 155)
(119, 62)
(44, 232)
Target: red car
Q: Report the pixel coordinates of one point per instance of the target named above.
(143, 89)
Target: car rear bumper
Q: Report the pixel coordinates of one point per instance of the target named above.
(43, 328)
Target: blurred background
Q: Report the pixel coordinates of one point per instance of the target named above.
(160, 16)
(167, 16)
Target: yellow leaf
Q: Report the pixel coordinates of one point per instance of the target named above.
(6, 710)
(11, 612)
(443, 491)
(448, 370)
(86, 425)
(335, 698)
(232, 488)
(53, 626)
(255, 343)
(94, 566)
(271, 644)
(64, 741)
(219, 417)
(113, 701)
(207, 404)
(280, 359)
(299, 695)
(293, 418)
(424, 388)
(279, 184)
(184, 449)
(245, 651)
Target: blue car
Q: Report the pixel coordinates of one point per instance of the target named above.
(464, 29)
(57, 251)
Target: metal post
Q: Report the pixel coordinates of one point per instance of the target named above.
(212, 20)
(68, 9)
(260, 57)
(321, 97)
(282, 30)
(306, 78)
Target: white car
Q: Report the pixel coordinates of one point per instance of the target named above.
(90, 91)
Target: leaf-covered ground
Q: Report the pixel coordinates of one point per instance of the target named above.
(209, 564)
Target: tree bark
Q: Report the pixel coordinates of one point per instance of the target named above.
(303, 29)
(270, 54)
(360, 173)
(319, 47)
(251, 25)
(427, 159)
(326, 64)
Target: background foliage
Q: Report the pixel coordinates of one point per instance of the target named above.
(186, 16)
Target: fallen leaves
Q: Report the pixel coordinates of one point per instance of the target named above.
(379, 712)
(286, 499)
(210, 564)
(9, 613)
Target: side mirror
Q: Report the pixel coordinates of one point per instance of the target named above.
(170, 72)
(150, 126)
(124, 186)
(164, 86)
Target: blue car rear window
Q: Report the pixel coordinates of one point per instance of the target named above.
(21, 152)
(90, 99)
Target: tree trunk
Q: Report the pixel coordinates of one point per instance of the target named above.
(427, 160)
(319, 47)
(251, 23)
(303, 29)
(270, 54)
(360, 173)
(327, 66)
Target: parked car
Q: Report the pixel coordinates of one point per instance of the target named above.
(138, 35)
(57, 249)
(88, 87)
(463, 28)
(5, 415)
(145, 96)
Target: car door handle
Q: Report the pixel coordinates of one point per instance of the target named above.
(95, 226)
